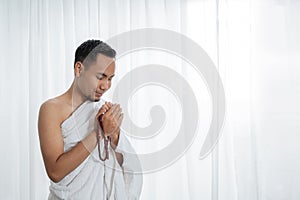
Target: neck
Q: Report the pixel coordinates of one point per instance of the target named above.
(76, 98)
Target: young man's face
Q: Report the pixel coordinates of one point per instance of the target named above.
(96, 79)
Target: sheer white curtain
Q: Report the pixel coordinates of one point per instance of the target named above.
(254, 44)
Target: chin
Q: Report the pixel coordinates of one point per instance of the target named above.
(93, 98)
(96, 100)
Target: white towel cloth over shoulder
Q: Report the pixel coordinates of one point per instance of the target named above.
(93, 178)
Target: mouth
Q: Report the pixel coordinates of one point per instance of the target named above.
(98, 94)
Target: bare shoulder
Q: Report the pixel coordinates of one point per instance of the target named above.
(51, 104)
(50, 107)
(53, 110)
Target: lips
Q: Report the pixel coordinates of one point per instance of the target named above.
(98, 94)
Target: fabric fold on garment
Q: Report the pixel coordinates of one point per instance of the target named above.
(93, 178)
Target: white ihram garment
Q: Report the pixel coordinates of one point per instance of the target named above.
(93, 178)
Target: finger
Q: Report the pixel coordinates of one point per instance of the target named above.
(103, 109)
(117, 113)
(99, 113)
(120, 119)
(117, 117)
(121, 115)
(111, 110)
(116, 110)
(108, 104)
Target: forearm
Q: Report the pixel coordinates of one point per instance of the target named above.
(70, 160)
(114, 144)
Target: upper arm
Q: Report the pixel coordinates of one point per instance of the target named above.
(51, 141)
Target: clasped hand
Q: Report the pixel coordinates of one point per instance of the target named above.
(111, 120)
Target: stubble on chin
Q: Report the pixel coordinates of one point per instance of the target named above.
(93, 98)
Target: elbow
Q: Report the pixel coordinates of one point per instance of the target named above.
(55, 177)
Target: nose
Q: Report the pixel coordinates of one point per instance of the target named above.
(104, 84)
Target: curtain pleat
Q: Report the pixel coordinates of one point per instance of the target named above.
(254, 45)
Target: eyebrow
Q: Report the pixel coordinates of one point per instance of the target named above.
(105, 75)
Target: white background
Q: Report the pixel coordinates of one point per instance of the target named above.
(255, 45)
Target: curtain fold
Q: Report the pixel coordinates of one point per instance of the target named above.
(254, 44)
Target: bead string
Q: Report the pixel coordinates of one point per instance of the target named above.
(106, 140)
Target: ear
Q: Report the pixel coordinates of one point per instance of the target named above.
(78, 68)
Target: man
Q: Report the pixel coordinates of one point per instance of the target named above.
(69, 132)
